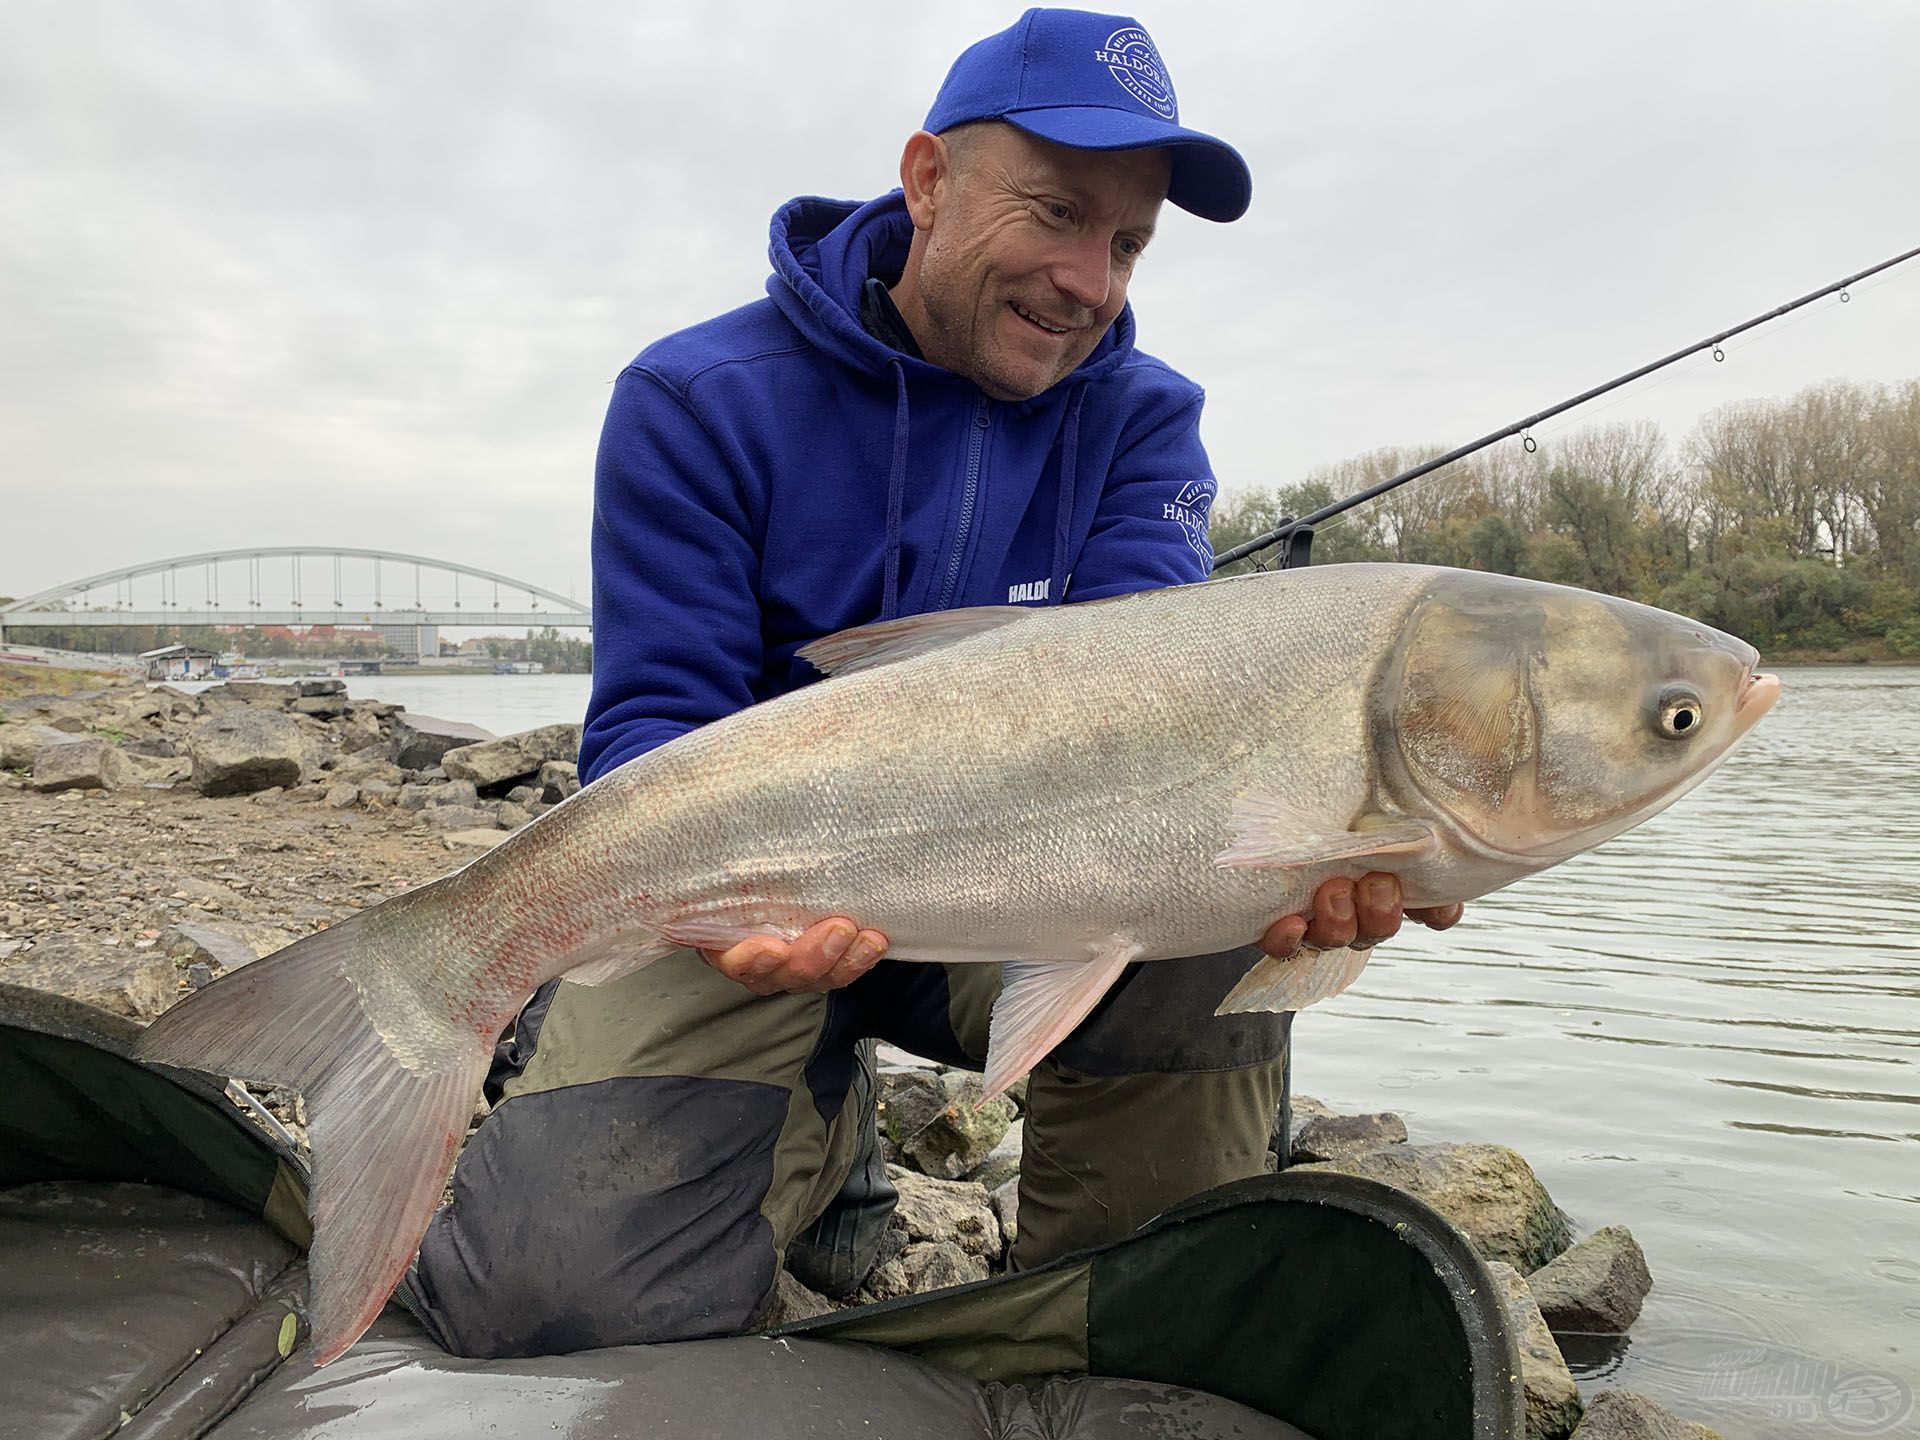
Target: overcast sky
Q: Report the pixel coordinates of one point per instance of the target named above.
(360, 273)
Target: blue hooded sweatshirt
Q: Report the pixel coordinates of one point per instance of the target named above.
(776, 474)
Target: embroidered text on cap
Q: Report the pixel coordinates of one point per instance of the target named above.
(1130, 57)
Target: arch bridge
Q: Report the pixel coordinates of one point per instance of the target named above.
(295, 585)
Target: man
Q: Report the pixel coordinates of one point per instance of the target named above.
(939, 404)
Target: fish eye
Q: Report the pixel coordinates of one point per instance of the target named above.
(1681, 712)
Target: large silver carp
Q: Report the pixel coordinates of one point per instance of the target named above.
(1061, 791)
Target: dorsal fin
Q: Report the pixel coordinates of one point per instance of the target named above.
(868, 646)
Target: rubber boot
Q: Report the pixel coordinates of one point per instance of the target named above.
(834, 1255)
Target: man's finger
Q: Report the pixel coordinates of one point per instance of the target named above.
(817, 951)
(866, 951)
(1283, 937)
(751, 963)
(1377, 901)
(1439, 917)
(1333, 923)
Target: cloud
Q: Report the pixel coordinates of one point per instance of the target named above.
(360, 273)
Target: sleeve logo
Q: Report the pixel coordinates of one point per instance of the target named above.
(1189, 511)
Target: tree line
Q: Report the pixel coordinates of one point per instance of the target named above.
(1792, 523)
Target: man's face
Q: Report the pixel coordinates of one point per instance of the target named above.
(1027, 253)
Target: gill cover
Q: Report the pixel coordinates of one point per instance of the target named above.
(1466, 731)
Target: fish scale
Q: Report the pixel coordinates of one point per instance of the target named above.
(1061, 791)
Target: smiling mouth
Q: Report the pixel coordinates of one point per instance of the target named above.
(1036, 321)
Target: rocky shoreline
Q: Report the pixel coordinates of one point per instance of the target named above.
(153, 840)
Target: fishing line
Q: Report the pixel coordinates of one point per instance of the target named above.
(1297, 535)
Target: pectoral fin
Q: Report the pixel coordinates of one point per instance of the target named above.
(1271, 831)
(1040, 1003)
(724, 927)
(868, 646)
(622, 955)
(1296, 982)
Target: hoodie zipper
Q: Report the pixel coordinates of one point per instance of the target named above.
(968, 495)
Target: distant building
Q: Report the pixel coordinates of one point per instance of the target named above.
(411, 642)
(179, 662)
(341, 634)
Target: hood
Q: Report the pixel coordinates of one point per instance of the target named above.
(823, 252)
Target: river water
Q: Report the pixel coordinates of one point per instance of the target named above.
(1708, 1031)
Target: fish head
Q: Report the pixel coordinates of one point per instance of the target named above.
(1535, 721)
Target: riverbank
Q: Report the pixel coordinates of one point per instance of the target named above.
(21, 679)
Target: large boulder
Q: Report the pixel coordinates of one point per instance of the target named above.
(934, 1121)
(1003, 1161)
(793, 1301)
(1553, 1400)
(177, 704)
(246, 749)
(72, 714)
(1006, 1206)
(461, 817)
(1488, 1192)
(933, 1210)
(1596, 1287)
(557, 780)
(321, 707)
(453, 792)
(20, 742)
(160, 772)
(364, 768)
(222, 947)
(83, 764)
(1334, 1137)
(420, 740)
(139, 983)
(497, 762)
(1291, 1117)
(928, 1265)
(269, 694)
(1626, 1415)
(360, 732)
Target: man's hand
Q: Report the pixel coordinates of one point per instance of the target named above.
(1366, 910)
(831, 953)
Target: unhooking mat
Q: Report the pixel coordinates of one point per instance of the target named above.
(151, 1287)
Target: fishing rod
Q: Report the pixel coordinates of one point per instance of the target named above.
(1298, 534)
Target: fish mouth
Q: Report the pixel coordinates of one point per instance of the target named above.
(1756, 698)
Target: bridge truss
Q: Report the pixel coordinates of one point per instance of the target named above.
(296, 585)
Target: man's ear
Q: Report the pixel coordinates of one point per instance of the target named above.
(925, 168)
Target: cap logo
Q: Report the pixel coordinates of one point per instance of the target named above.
(1131, 59)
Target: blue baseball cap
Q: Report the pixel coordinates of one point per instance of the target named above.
(1092, 82)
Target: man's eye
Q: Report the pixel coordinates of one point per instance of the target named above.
(1058, 211)
(1128, 248)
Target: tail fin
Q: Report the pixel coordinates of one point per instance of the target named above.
(384, 1133)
